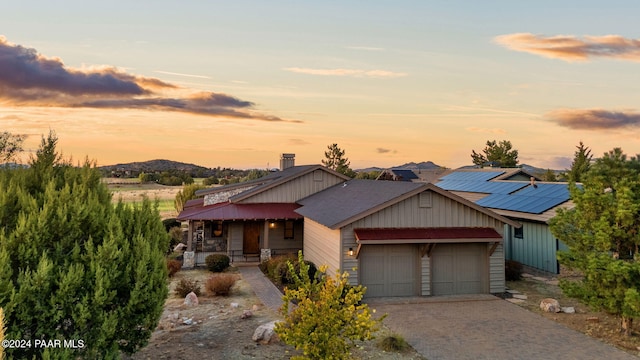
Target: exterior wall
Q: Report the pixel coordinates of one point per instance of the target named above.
(322, 246)
(296, 189)
(536, 248)
(277, 240)
(236, 232)
(425, 271)
(496, 270)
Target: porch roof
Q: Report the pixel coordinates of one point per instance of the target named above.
(231, 211)
(427, 235)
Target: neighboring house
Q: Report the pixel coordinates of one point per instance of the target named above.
(531, 203)
(405, 238)
(254, 219)
(413, 175)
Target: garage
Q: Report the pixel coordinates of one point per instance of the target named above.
(459, 269)
(389, 270)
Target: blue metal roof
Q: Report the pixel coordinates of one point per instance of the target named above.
(473, 175)
(531, 199)
(488, 187)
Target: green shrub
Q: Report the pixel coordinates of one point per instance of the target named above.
(173, 266)
(512, 270)
(393, 343)
(217, 262)
(185, 286)
(284, 276)
(220, 284)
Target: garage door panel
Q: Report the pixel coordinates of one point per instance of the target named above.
(459, 269)
(388, 270)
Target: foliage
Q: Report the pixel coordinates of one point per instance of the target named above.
(176, 237)
(221, 284)
(549, 175)
(211, 180)
(581, 163)
(327, 320)
(173, 266)
(186, 286)
(2, 330)
(501, 154)
(335, 160)
(72, 265)
(170, 177)
(217, 262)
(393, 343)
(284, 276)
(512, 270)
(10, 145)
(368, 175)
(602, 234)
(269, 266)
(187, 193)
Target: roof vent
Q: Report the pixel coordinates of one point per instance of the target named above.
(533, 182)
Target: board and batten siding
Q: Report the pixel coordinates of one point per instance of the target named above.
(322, 246)
(236, 233)
(496, 270)
(277, 240)
(296, 189)
(425, 273)
(537, 247)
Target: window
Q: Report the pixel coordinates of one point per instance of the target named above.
(518, 233)
(288, 229)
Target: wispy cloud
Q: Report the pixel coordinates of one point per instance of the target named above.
(572, 48)
(298, 142)
(182, 74)
(594, 119)
(28, 78)
(348, 72)
(486, 130)
(385, 151)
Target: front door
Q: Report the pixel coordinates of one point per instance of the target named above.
(251, 238)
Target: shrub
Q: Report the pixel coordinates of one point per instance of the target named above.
(512, 270)
(185, 286)
(284, 276)
(217, 262)
(395, 343)
(221, 284)
(173, 266)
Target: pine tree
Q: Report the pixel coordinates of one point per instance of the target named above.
(581, 163)
(501, 154)
(335, 160)
(73, 266)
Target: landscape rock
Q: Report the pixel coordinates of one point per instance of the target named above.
(234, 305)
(191, 299)
(515, 301)
(246, 314)
(255, 307)
(520, 296)
(550, 305)
(265, 333)
(569, 310)
(187, 321)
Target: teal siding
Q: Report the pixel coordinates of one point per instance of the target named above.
(536, 248)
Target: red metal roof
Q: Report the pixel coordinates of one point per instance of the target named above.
(481, 234)
(230, 211)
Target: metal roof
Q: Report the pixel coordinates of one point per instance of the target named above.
(437, 233)
(531, 199)
(489, 187)
(230, 211)
(472, 175)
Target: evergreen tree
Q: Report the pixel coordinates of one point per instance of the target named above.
(501, 154)
(10, 145)
(602, 234)
(187, 193)
(73, 266)
(581, 163)
(335, 160)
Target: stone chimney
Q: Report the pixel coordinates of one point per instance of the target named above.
(287, 161)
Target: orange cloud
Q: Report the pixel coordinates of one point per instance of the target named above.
(571, 48)
(594, 119)
(30, 79)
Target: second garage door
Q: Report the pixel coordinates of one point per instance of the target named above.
(459, 269)
(389, 270)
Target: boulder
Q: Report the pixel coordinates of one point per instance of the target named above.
(246, 314)
(550, 305)
(265, 333)
(191, 299)
(569, 310)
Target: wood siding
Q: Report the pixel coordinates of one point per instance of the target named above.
(236, 230)
(496, 270)
(425, 271)
(277, 240)
(536, 248)
(296, 189)
(322, 246)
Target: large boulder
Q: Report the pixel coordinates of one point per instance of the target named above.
(265, 333)
(550, 305)
(191, 299)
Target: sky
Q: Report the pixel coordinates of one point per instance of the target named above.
(236, 84)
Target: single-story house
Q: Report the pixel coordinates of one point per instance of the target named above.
(531, 203)
(405, 238)
(254, 219)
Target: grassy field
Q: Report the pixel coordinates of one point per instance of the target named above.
(132, 191)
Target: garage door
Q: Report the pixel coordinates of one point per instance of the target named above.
(389, 270)
(459, 269)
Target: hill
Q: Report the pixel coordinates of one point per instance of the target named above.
(153, 166)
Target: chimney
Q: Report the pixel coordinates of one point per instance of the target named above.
(287, 161)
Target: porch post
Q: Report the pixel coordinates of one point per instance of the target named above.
(190, 236)
(265, 252)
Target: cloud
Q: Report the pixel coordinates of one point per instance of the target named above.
(571, 48)
(31, 79)
(385, 151)
(486, 130)
(594, 119)
(365, 48)
(182, 74)
(298, 142)
(347, 72)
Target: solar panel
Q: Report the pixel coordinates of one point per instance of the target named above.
(481, 186)
(534, 200)
(472, 175)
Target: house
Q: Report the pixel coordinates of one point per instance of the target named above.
(531, 203)
(254, 219)
(405, 238)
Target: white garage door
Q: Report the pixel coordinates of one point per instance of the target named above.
(459, 269)
(389, 270)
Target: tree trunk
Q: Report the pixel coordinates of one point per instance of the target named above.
(627, 325)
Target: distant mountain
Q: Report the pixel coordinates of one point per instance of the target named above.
(424, 165)
(152, 166)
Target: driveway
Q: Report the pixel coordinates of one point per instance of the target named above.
(486, 327)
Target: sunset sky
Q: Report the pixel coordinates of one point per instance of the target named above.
(237, 83)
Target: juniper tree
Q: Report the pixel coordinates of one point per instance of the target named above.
(75, 267)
